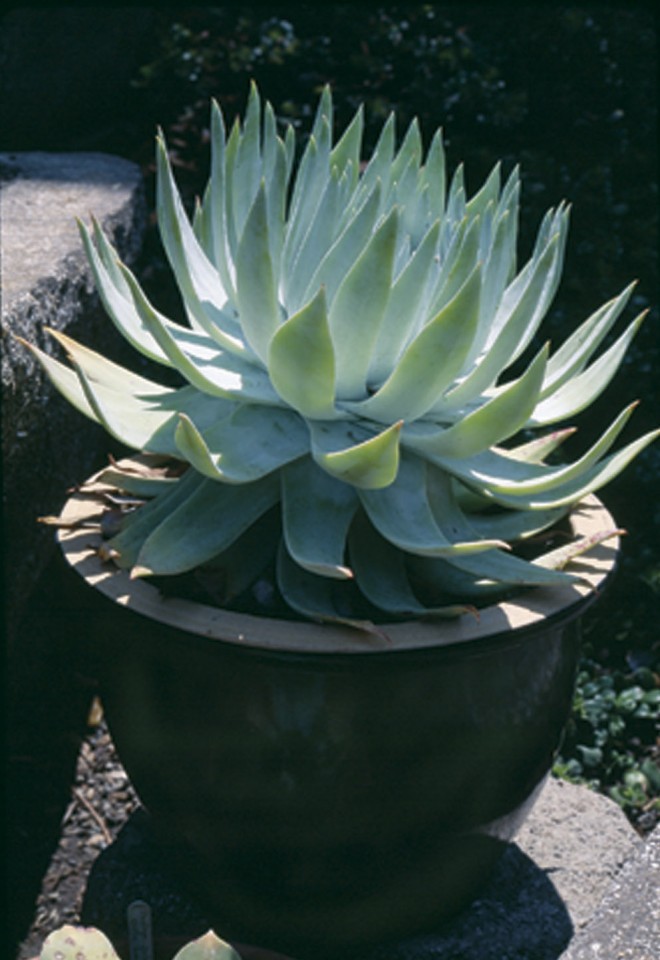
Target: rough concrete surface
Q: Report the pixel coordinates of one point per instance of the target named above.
(42, 194)
(45, 281)
(581, 839)
(626, 925)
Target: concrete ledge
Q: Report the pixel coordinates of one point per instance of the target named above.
(46, 445)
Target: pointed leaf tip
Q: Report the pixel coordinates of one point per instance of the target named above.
(207, 947)
(369, 464)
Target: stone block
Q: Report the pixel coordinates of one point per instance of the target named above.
(46, 444)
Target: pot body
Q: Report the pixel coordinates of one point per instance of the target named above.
(334, 792)
(334, 801)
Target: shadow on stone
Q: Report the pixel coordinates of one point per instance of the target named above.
(519, 915)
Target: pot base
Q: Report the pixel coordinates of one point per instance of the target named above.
(518, 908)
(143, 864)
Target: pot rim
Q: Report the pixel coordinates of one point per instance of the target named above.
(531, 610)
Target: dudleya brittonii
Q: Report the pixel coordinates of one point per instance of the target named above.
(345, 394)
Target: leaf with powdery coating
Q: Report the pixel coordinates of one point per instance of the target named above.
(317, 510)
(207, 947)
(79, 943)
(369, 464)
(301, 361)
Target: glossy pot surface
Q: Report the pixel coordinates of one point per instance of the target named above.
(335, 800)
(341, 801)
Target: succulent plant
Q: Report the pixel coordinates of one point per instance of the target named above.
(88, 943)
(77, 943)
(207, 947)
(346, 394)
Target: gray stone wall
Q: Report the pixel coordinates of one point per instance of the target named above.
(47, 445)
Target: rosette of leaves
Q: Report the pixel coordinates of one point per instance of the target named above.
(346, 398)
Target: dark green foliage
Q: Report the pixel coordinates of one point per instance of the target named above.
(610, 742)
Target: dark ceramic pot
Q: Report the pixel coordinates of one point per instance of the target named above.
(336, 793)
